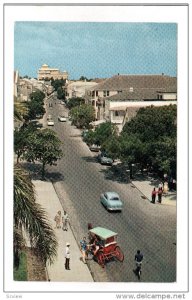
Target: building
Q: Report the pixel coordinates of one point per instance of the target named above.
(15, 83)
(132, 88)
(23, 87)
(122, 112)
(45, 72)
(78, 88)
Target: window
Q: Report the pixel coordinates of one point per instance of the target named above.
(105, 93)
(93, 93)
(116, 113)
(96, 93)
(115, 198)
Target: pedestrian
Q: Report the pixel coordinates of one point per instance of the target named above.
(57, 219)
(153, 196)
(65, 221)
(160, 192)
(67, 256)
(160, 185)
(84, 248)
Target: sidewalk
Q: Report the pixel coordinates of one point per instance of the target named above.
(146, 185)
(79, 272)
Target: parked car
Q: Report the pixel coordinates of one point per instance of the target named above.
(104, 159)
(39, 116)
(49, 117)
(111, 201)
(50, 123)
(62, 118)
(36, 123)
(95, 148)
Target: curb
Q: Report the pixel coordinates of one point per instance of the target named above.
(146, 198)
(74, 236)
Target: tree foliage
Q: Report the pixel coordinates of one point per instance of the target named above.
(35, 108)
(75, 101)
(83, 78)
(21, 139)
(82, 115)
(60, 93)
(102, 134)
(58, 83)
(36, 105)
(150, 139)
(37, 96)
(43, 146)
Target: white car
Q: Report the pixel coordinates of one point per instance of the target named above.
(50, 123)
(62, 118)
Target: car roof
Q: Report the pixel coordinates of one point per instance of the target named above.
(103, 233)
(111, 194)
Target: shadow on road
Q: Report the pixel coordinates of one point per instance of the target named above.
(90, 159)
(75, 135)
(116, 173)
(35, 169)
(54, 176)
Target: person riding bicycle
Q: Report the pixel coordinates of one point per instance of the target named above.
(138, 259)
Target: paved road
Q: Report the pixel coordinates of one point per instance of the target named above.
(79, 180)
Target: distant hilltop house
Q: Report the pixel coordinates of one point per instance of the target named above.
(111, 97)
(45, 72)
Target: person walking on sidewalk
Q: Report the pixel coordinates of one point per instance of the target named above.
(84, 248)
(153, 195)
(65, 221)
(160, 192)
(67, 256)
(57, 219)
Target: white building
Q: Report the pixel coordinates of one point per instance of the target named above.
(78, 88)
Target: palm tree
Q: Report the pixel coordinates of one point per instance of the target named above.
(32, 219)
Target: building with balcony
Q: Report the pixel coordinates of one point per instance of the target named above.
(122, 88)
(78, 88)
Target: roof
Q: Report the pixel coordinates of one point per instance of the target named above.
(136, 94)
(123, 82)
(138, 104)
(103, 233)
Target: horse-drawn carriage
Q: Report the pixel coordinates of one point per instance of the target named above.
(103, 244)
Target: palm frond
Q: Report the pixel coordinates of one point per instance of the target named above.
(32, 217)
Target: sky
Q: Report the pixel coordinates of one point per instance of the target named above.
(96, 50)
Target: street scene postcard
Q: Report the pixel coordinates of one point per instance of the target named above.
(96, 135)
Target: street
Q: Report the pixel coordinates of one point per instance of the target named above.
(79, 180)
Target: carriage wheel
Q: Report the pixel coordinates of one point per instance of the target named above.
(100, 258)
(119, 254)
